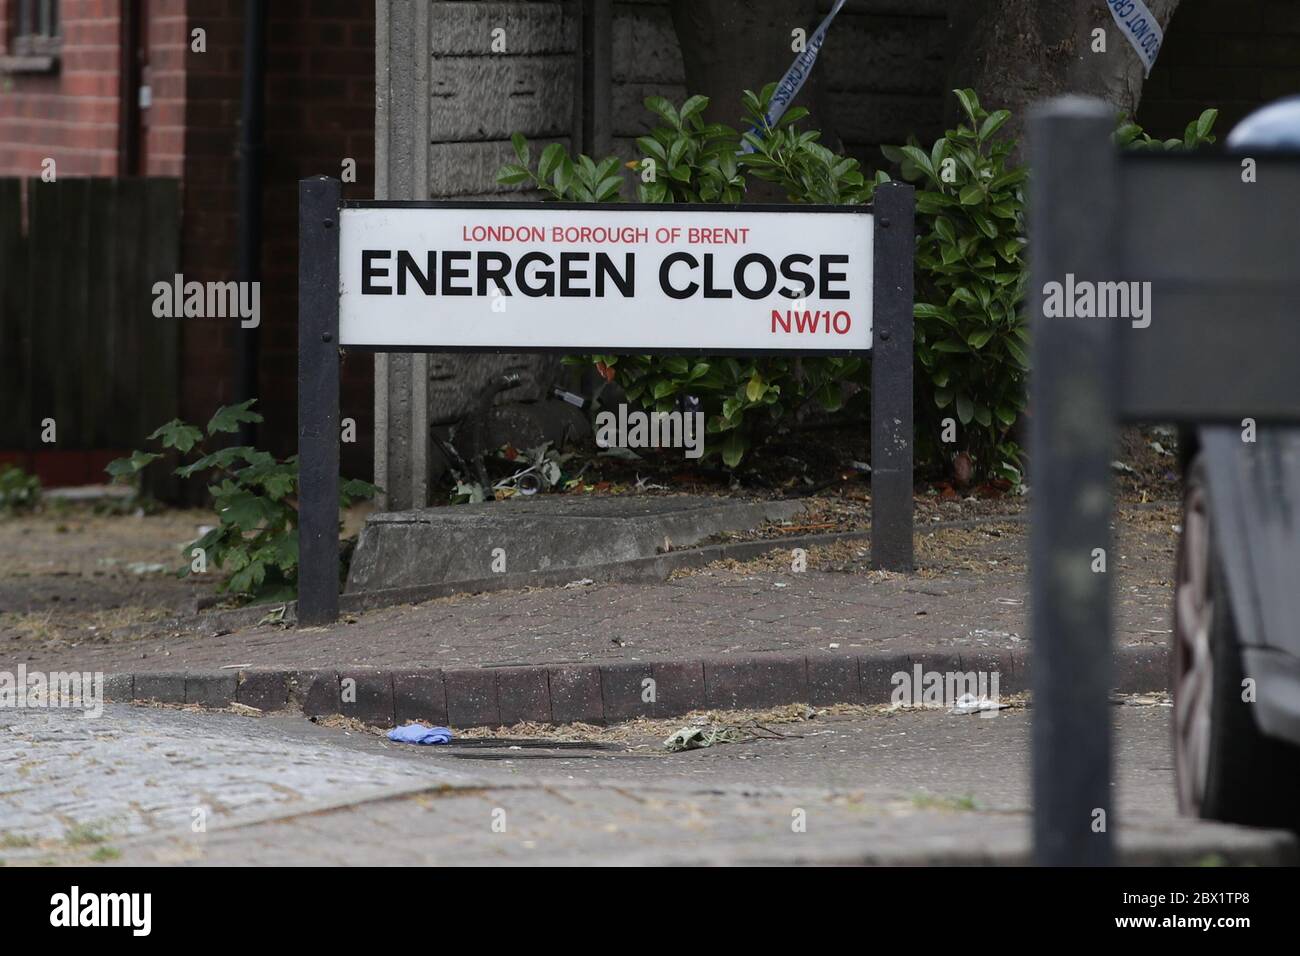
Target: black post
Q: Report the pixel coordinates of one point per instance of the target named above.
(1073, 209)
(318, 400)
(894, 208)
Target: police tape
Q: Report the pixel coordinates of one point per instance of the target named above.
(1140, 27)
(794, 78)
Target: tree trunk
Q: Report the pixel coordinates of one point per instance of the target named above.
(1013, 52)
(729, 46)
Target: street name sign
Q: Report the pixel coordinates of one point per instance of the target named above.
(788, 279)
(416, 276)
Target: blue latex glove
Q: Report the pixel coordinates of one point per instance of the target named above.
(419, 734)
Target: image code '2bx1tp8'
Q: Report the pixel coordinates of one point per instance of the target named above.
(625, 279)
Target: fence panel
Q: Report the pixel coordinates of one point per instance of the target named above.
(79, 342)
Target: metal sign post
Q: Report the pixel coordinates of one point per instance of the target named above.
(625, 279)
(1072, 434)
(318, 400)
(1210, 254)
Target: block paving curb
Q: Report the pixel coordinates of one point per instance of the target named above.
(599, 693)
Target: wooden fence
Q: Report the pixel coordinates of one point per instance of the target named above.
(79, 342)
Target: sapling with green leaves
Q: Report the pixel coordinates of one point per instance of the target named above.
(971, 274)
(255, 496)
(1199, 132)
(560, 176)
(19, 491)
(796, 161)
(970, 332)
(688, 160)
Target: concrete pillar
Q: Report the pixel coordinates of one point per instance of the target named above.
(402, 172)
(445, 106)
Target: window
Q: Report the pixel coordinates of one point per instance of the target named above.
(35, 28)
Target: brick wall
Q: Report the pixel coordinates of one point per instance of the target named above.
(168, 41)
(71, 115)
(209, 134)
(319, 111)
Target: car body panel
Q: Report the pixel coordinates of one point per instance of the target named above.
(1254, 499)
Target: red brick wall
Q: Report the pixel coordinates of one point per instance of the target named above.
(169, 45)
(70, 116)
(73, 115)
(211, 82)
(319, 111)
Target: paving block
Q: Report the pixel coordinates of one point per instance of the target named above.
(472, 697)
(833, 679)
(991, 665)
(367, 696)
(679, 687)
(623, 690)
(210, 690)
(300, 683)
(321, 697)
(265, 690)
(575, 694)
(165, 687)
(119, 687)
(876, 676)
(752, 683)
(1141, 668)
(524, 694)
(419, 695)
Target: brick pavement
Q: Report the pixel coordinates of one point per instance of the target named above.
(121, 789)
(716, 612)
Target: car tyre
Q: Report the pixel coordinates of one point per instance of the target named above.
(1226, 768)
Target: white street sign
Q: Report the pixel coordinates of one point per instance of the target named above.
(605, 279)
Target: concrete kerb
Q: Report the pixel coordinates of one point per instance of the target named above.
(601, 693)
(638, 570)
(405, 549)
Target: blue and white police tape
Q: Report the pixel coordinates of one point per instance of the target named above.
(1141, 28)
(794, 78)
